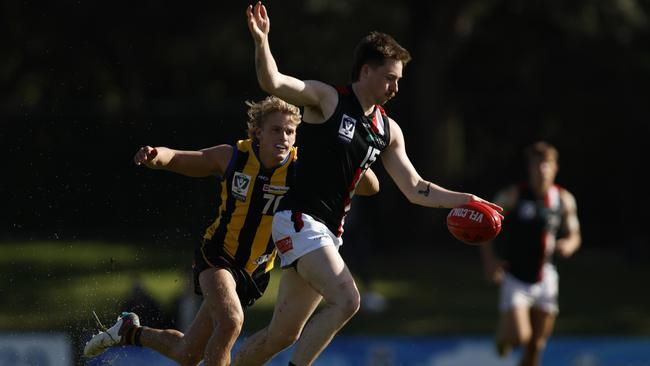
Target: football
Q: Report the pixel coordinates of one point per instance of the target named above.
(474, 223)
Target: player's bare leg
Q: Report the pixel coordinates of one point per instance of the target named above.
(186, 349)
(514, 329)
(326, 272)
(542, 327)
(295, 303)
(226, 313)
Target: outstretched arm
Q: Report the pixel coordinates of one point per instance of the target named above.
(319, 99)
(416, 189)
(202, 163)
(368, 185)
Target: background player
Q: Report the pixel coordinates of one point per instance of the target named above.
(541, 220)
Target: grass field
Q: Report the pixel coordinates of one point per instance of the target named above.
(54, 286)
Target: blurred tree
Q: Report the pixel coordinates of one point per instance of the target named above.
(83, 84)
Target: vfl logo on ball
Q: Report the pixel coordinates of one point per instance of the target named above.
(464, 212)
(240, 184)
(346, 129)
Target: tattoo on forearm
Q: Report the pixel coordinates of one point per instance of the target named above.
(425, 192)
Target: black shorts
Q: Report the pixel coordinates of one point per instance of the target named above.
(249, 289)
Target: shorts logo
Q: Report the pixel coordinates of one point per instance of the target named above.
(346, 129)
(284, 245)
(240, 184)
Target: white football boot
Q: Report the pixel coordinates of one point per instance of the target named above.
(112, 336)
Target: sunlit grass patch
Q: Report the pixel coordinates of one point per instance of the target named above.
(62, 254)
(55, 286)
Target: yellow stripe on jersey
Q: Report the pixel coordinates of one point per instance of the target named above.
(250, 172)
(242, 229)
(272, 196)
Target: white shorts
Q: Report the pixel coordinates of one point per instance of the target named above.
(292, 244)
(541, 295)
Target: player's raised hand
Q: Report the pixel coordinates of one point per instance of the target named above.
(258, 22)
(145, 156)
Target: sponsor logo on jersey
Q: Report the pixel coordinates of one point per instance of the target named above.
(262, 259)
(240, 184)
(284, 245)
(275, 189)
(346, 129)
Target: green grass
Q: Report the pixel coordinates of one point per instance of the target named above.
(50, 284)
(54, 286)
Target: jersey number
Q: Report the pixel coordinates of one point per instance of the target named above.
(270, 198)
(370, 158)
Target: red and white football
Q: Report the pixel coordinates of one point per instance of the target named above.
(474, 223)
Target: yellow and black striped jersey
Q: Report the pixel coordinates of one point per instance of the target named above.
(250, 194)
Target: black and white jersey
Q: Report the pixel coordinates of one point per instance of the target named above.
(333, 156)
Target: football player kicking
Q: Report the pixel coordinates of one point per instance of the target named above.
(346, 129)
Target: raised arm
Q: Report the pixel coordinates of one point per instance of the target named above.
(416, 189)
(318, 98)
(202, 163)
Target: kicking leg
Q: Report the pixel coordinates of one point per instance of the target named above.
(186, 349)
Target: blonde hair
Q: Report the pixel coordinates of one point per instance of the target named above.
(258, 111)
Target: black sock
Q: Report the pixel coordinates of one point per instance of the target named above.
(127, 336)
(136, 336)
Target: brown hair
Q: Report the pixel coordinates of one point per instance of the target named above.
(257, 112)
(541, 151)
(374, 49)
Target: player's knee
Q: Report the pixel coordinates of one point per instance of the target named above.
(521, 338)
(517, 337)
(353, 304)
(350, 301)
(189, 359)
(231, 323)
(538, 344)
(186, 356)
